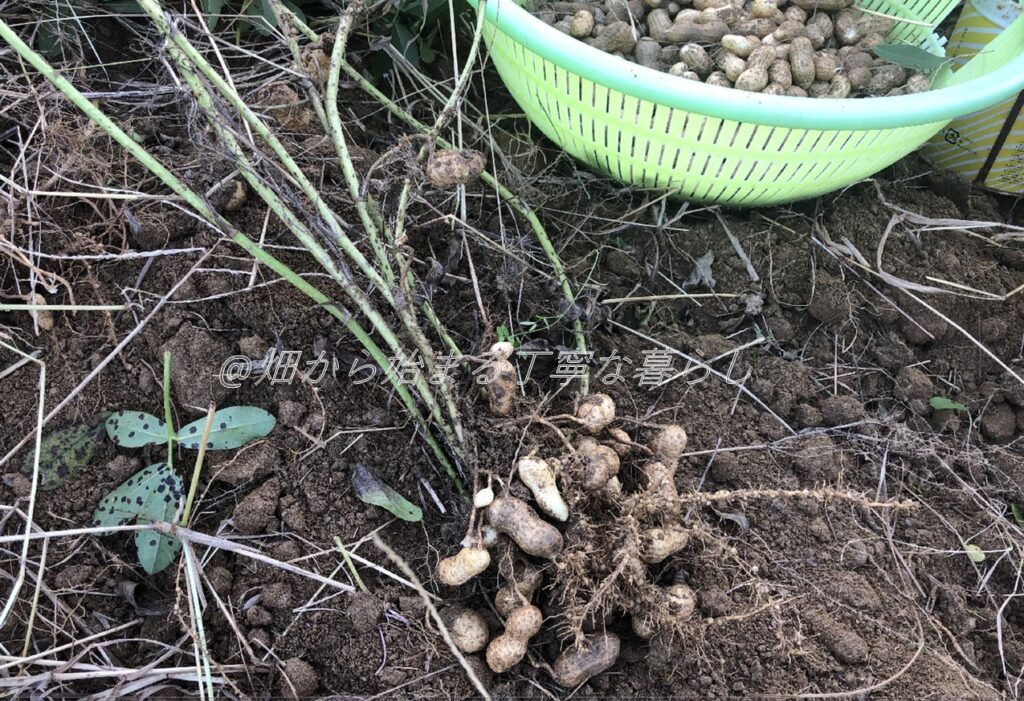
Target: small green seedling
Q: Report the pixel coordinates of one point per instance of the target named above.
(976, 554)
(1018, 516)
(941, 403)
(232, 428)
(152, 494)
(64, 453)
(155, 493)
(371, 489)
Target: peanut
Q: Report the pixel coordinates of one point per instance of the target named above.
(801, 62)
(516, 519)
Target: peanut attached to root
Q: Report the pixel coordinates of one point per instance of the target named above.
(674, 604)
(467, 627)
(596, 412)
(447, 168)
(518, 589)
(501, 391)
(575, 666)
(620, 441)
(598, 462)
(506, 651)
(660, 494)
(540, 478)
(517, 520)
(657, 544)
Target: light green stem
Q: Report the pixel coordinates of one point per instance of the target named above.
(205, 211)
(168, 419)
(337, 135)
(193, 486)
(513, 200)
(405, 310)
(341, 276)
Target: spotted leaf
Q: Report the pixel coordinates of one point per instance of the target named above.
(134, 429)
(63, 453)
(157, 550)
(232, 427)
(140, 496)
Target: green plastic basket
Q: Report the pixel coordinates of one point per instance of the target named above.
(712, 144)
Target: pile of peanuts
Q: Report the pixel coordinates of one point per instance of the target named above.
(799, 48)
(538, 544)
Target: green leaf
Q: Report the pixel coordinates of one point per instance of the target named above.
(157, 550)
(232, 427)
(941, 403)
(140, 495)
(1018, 517)
(908, 56)
(134, 429)
(63, 453)
(151, 494)
(976, 554)
(372, 490)
(212, 8)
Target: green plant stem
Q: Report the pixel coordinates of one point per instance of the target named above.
(405, 275)
(334, 128)
(463, 79)
(341, 275)
(405, 309)
(259, 127)
(513, 200)
(351, 565)
(193, 486)
(168, 420)
(337, 135)
(356, 330)
(201, 207)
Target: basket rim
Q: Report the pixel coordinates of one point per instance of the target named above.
(940, 105)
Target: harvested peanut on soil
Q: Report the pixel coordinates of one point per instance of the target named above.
(447, 168)
(788, 47)
(509, 648)
(532, 534)
(467, 627)
(575, 666)
(463, 566)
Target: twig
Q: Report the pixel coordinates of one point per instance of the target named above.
(407, 571)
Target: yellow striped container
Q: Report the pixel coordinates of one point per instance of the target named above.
(986, 147)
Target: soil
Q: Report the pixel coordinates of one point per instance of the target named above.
(808, 592)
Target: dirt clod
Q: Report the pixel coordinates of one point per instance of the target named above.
(196, 358)
(253, 513)
(831, 301)
(843, 643)
(251, 464)
(277, 595)
(998, 423)
(298, 680)
(364, 610)
(842, 409)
